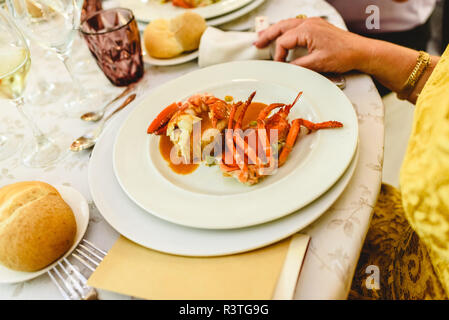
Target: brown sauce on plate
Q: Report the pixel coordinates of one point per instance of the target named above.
(165, 145)
(251, 114)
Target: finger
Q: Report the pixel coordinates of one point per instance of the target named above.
(310, 61)
(276, 30)
(289, 40)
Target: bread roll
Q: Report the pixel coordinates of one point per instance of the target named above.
(160, 42)
(188, 29)
(36, 226)
(169, 38)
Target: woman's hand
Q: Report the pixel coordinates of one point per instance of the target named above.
(330, 49)
(335, 50)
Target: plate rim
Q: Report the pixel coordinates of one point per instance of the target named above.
(220, 20)
(207, 12)
(236, 14)
(81, 215)
(182, 58)
(200, 223)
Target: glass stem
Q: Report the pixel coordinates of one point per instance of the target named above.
(77, 84)
(39, 136)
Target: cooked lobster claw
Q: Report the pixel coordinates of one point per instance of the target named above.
(159, 125)
(183, 4)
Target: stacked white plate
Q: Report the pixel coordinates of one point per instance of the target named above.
(215, 14)
(204, 213)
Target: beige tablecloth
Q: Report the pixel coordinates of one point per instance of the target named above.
(337, 237)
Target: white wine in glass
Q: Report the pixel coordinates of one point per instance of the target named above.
(53, 24)
(14, 66)
(9, 142)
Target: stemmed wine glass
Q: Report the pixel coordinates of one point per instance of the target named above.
(14, 66)
(84, 64)
(53, 24)
(45, 90)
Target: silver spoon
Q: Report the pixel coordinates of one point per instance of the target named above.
(98, 115)
(89, 139)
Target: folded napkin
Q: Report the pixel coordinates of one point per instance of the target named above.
(218, 46)
(267, 273)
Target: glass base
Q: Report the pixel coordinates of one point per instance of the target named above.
(85, 65)
(9, 144)
(41, 153)
(43, 94)
(77, 105)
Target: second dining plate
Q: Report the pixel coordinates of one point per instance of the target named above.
(206, 199)
(153, 9)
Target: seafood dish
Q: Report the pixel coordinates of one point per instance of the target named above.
(247, 140)
(190, 3)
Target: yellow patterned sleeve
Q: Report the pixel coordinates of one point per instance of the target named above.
(424, 177)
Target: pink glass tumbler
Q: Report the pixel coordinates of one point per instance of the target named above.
(114, 40)
(90, 7)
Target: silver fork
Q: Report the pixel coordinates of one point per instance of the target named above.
(69, 280)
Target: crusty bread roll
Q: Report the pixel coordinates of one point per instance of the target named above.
(160, 42)
(169, 38)
(188, 29)
(36, 226)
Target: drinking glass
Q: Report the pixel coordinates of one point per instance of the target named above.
(14, 66)
(84, 64)
(90, 7)
(114, 40)
(45, 90)
(53, 24)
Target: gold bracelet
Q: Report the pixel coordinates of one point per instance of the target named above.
(301, 16)
(422, 62)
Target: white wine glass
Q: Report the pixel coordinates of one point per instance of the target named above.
(45, 90)
(14, 66)
(53, 24)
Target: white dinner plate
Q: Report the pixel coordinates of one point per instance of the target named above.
(80, 209)
(206, 199)
(235, 14)
(183, 58)
(217, 21)
(153, 9)
(157, 234)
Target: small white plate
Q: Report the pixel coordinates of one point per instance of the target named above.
(80, 209)
(183, 58)
(153, 9)
(206, 199)
(151, 232)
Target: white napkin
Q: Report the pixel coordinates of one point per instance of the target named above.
(288, 279)
(218, 46)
